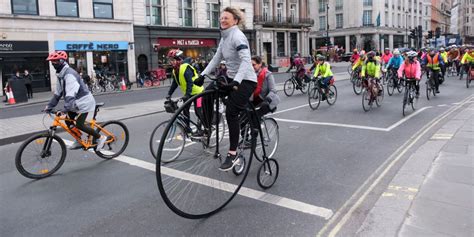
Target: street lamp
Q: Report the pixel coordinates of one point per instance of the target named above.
(406, 28)
(327, 31)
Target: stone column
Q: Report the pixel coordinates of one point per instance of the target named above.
(348, 43)
(90, 63)
(390, 41)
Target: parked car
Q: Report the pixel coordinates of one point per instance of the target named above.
(346, 57)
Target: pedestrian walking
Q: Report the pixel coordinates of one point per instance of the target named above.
(28, 79)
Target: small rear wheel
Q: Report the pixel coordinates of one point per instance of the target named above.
(289, 87)
(267, 173)
(174, 142)
(117, 139)
(271, 137)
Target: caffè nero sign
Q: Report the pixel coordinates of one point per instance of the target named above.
(91, 45)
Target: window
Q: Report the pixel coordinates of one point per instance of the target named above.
(339, 5)
(186, 12)
(266, 11)
(367, 3)
(322, 23)
(67, 8)
(367, 18)
(154, 12)
(280, 44)
(339, 20)
(213, 15)
(322, 5)
(386, 19)
(393, 19)
(399, 20)
(293, 43)
(386, 3)
(280, 12)
(103, 9)
(25, 7)
(426, 11)
(293, 13)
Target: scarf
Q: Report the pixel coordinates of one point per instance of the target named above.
(260, 79)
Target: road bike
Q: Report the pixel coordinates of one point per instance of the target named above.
(410, 98)
(373, 92)
(393, 82)
(430, 85)
(318, 92)
(186, 131)
(43, 154)
(356, 81)
(290, 85)
(192, 186)
(470, 75)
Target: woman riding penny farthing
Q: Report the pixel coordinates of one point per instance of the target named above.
(197, 184)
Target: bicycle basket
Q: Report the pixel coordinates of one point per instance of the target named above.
(171, 106)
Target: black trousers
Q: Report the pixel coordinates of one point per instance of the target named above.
(436, 78)
(29, 90)
(80, 124)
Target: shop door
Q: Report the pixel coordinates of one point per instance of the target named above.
(267, 47)
(35, 63)
(142, 64)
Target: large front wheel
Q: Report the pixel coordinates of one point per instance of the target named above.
(289, 87)
(40, 156)
(117, 139)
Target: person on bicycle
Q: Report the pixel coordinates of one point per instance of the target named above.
(370, 68)
(323, 69)
(433, 61)
(241, 82)
(184, 75)
(298, 64)
(387, 55)
(444, 56)
(265, 95)
(454, 57)
(394, 63)
(468, 59)
(411, 68)
(360, 61)
(78, 101)
(355, 56)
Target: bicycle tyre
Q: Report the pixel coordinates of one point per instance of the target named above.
(304, 87)
(44, 171)
(194, 187)
(349, 69)
(222, 127)
(405, 102)
(366, 100)
(400, 86)
(332, 95)
(314, 97)
(289, 87)
(271, 138)
(390, 87)
(468, 79)
(118, 137)
(380, 96)
(268, 173)
(428, 89)
(178, 132)
(357, 86)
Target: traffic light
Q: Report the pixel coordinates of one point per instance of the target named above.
(420, 31)
(430, 34)
(438, 32)
(413, 34)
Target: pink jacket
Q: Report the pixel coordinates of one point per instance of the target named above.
(410, 70)
(386, 57)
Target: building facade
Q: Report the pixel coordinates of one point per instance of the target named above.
(282, 29)
(441, 15)
(97, 35)
(365, 24)
(465, 20)
(190, 25)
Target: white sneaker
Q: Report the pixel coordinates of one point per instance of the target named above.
(101, 143)
(76, 145)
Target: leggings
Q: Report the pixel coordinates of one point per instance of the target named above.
(80, 124)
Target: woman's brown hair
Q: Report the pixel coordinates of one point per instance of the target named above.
(238, 15)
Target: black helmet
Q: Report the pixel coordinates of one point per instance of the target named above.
(371, 54)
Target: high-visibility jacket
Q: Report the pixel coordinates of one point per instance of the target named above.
(468, 58)
(372, 69)
(323, 69)
(444, 56)
(433, 62)
(181, 80)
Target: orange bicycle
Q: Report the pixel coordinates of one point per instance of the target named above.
(43, 154)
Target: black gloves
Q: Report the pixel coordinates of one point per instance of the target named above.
(168, 97)
(233, 85)
(185, 98)
(268, 99)
(199, 81)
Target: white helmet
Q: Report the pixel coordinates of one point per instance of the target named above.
(412, 54)
(223, 62)
(396, 52)
(441, 49)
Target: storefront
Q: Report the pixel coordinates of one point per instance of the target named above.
(107, 57)
(30, 55)
(197, 49)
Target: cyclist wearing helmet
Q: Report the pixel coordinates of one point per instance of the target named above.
(355, 56)
(394, 62)
(412, 70)
(242, 81)
(298, 63)
(359, 61)
(454, 56)
(468, 59)
(444, 56)
(221, 70)
(433, 61)
(387, 55)
(324, 69)
(371, 67)
(78, 101)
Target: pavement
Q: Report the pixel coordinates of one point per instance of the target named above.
(433, 193)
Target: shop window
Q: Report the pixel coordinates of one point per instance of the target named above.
(280, 44)
(103, 9)
(154, 12)
(78, 61)
(185, 11)
(25, 7)
(213, 15)
(67, 8)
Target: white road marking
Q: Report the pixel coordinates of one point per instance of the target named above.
(442, 136)
(217, 184)
(290, 109)
(332, 124)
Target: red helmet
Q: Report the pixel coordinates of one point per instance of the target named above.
(57, 55)
(175, 53)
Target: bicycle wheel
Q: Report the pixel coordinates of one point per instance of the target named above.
(314, 98)
(400, 86)
(304, 87)
(468, 80)
(271, 137)
(413, 99)
(380, 96)
(35, 160)
(222, 128)
(349, 69)
(428, 89)
(332, 95)
(289, 87)
(193, 186)
(267, 173)
(117, 139)
(174, 142)
(405, 102)
(366, 100)
(390, 86)
(357, 86)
